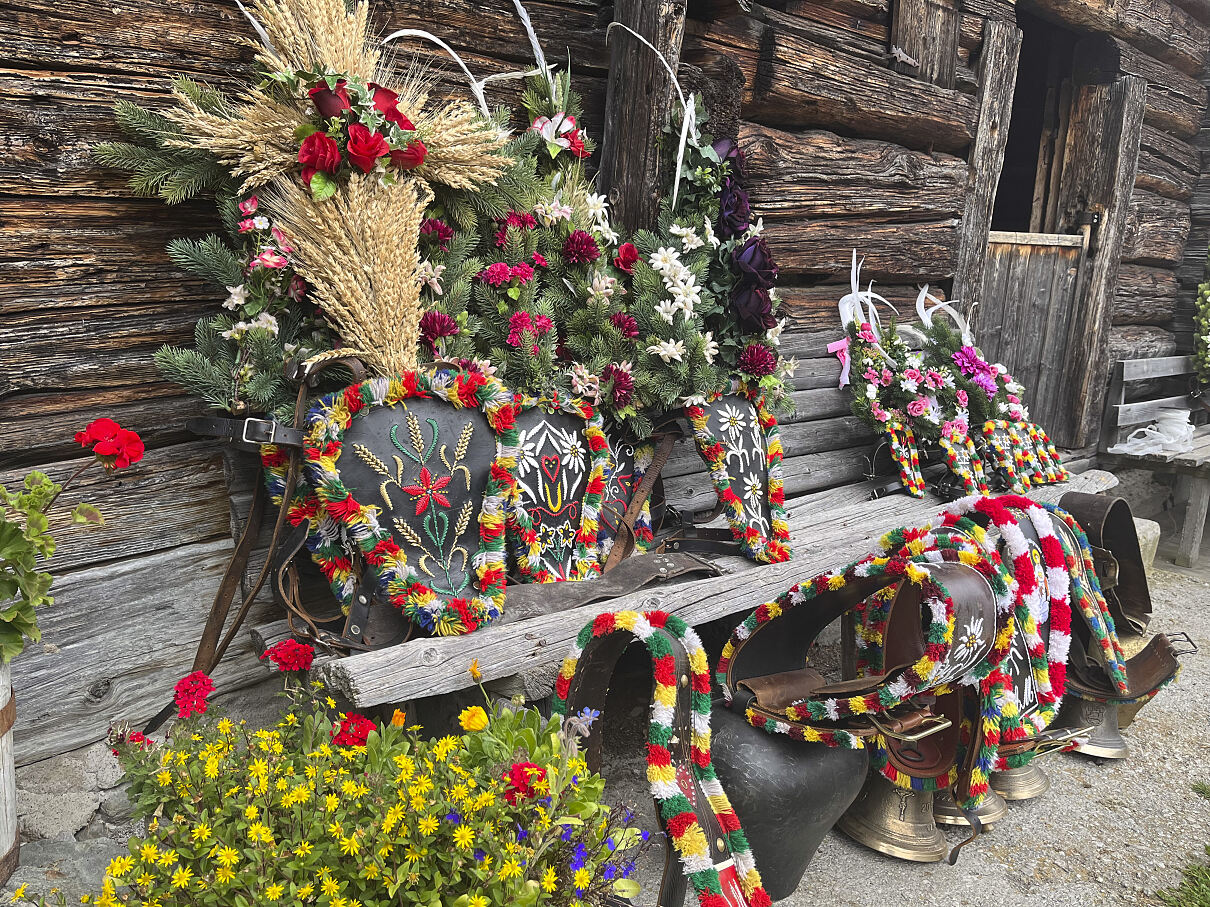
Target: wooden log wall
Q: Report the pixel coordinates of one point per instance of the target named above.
(1193, 266)
(859, 119)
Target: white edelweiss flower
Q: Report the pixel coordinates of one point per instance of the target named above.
(666, 261)
(788, 367)
(915, 360)
(606, 233)
(238, 297)
(708, 229)
(773, 335)
(688, 237)
(596, 205)
(709, 346)
(668, 350)
(733, 420)
(667, 310)
(754, 489)
(695, 400)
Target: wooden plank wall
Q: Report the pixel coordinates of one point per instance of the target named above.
(846, 151)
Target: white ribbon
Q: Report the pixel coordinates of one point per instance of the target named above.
(539, 57)
(688, 107)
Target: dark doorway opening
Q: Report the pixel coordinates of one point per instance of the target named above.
(1034, 149)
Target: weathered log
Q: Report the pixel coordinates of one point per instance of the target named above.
(926, 34)
(1157, 27)
(1175, 101)
(865, 20)
(1134, 341)
(1145, 295)
(638, 107)
(819, 174)
(1156, 230)
(719, 81)
(997, 82)
(894, 253)
(1167, 165)
(795, 80)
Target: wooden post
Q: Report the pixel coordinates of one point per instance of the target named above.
(10, 852)
(997, 81)
(924, 39)
(637, 104)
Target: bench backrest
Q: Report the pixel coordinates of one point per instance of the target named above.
(1121, 417)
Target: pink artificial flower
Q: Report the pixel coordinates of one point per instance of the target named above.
(248, 206)
(270, 258)
(247, 225)
(298, 288)
(540, 261)
(866, 333)
(496, 274)
(522, 272)
(1014, 399)
(518, 323)
(542, 325)
(870, 375)
(932, 379)
(962, 398)
(913, 374)
(879, 413)
(917, 407)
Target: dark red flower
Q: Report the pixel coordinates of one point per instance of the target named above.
(97, 430)
(580, 248)
(757, 360)
(385, 101)
(439, 230)
(319, 154)
(354, 730)
(330, 102)
(734, 212)
(364, 148)
(290, 655)
(754, 262)
(575, 144)
(192, 692)
(753, 307)
(521, 778)
(626, 325)
(622, 384)
(626, 257)
(434, 326)
(411, 157)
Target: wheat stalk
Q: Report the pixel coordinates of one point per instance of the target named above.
(358, 252)
(409, 534)
(463, 147)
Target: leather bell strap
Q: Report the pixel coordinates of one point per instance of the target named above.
(246, 434)
(624, 543)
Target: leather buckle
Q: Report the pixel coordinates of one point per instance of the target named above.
(933, 724)
(270, 436)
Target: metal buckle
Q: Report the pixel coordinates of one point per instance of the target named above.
(1183, 637)
(271, 434)
(933, 724)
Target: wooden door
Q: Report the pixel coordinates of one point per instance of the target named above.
(1045, 302)
(1030, 283)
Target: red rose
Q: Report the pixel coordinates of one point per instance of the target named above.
(626, 257)
(411, 157)
(319, 152)
(330, 102)
(353, 730)
(365, 148)
(97, 430)
(385, 102)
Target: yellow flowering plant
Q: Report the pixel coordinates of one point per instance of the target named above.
(337, 810)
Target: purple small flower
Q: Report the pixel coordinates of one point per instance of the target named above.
(969, 361)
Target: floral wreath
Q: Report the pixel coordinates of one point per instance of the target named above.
(974, 480)
(939, 636)
(765, 550)
(587, 562)
(1014, 460)
(1048, 467)
(677, 812)
(327, 423)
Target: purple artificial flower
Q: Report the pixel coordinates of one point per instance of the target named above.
(753, 308)
(986, 383)
(754, 262)
(969, 361)
(728, 150)
(734, 212)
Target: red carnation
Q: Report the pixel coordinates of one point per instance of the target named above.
(439, 230)
(318, 153)
(626, 257)
(623, 384)
(539, 261)
(522, 272)
(290, 655)
(191, 694)
(757, 360)
(580, 248)
(411, 157)
(364, 148)
(496, 274)
(521, 779)
(330, 102)
(354, 729)
(626, 324)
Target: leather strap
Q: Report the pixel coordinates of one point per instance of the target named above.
(8, 714)
(245, 434)
(702, 540)
(624, 542)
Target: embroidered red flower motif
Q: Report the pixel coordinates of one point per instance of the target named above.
(427, 490)
(354, 729)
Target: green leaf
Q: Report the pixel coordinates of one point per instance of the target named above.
(305, 130)
(323, 186)
(513, 292)
(627, 888)
(87, 513)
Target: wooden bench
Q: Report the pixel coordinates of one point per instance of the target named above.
(828, 529)
(1192, 468)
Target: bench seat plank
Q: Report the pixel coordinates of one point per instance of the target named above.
(828, 529)
(1162, 367)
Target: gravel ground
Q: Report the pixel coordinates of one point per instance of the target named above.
(1106, 833)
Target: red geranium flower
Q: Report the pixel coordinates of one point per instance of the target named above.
(97, 430)
(290, 655)
(114, 446)
(521, 779)
(318, 153)
(364, 148)
(427, 489)
(353, 730)
(192, 692)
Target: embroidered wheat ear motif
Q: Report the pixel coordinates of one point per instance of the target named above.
(464, 519)
(415, 435)
(464, 441)
(402, 527)
(368, 457)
